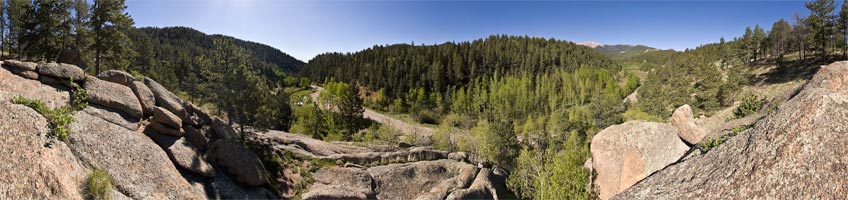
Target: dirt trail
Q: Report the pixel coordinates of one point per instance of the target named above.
(403, 127)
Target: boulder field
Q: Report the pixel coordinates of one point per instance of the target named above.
(140, 142)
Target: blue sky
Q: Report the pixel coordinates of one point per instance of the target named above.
(304, 29)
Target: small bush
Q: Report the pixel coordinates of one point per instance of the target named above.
(427, 117)
(638, 114)
(750, 105)
(58, 118)
(79, 99)
(99, 185)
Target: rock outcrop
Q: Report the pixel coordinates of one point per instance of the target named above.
(341, 183)
(182, 153)
(105, 135)
(145, 97)
(167, 118)
(139, 167)
(168, 100)
(243, 164)
(624, 154)
(684, 120)
(113, 95)
(797, 152)
(33, 165)
(62, 71)
(379, 172)
(115, 76)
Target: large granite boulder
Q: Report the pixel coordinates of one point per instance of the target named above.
(113, 95)
(165, 129)
(624, 154)
(224, 131)
(238, 161)
(28, 66)
(684, 120)
(196, 138)
(116, 76)
(182, 153)
(61, 70)
(139, 167)
(168, 100)
(167, 118)
(145, 97)
(341, 183)
(797, 152)
(424, 179)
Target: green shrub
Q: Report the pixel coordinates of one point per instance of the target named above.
(99, 185)
(427, 117)
(58, 118)
(750, 104)
(79, 99)
(638, 114)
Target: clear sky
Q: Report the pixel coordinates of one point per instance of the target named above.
(304, 29)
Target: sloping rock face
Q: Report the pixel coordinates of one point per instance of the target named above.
(113, 95)
(624, 154)
(34, 166)
(684, 120)
(797, 152)
(139, 167)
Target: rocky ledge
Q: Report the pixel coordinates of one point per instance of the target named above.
(797, 152)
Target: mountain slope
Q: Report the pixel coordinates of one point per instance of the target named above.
(794, 153)
(622, 51)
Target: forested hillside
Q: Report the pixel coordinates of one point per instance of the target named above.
(494, 97)
(623, 51)
(170, 55)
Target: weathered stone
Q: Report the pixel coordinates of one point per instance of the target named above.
(113, 116)
(29, 74)
(202, 117)
(139, 168)
(797, 152)
(165, 129)
(116, 76)
(26, 66)
(49, 80)
(34, 166)
(240, 162)
(340, 183)
(145, 97)
(113, 95)
(223, 131)
(168, 100)
(684, 120)
(167, 118)
(624, 154)
(481, 188)
(182, 153)
(61, 70)
(196, 138)
(458, 156)
(424, 179)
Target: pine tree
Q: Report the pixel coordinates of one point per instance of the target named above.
(821, 22)
(780, 37)
(109, 23)
(843, 27)
(758, 37)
